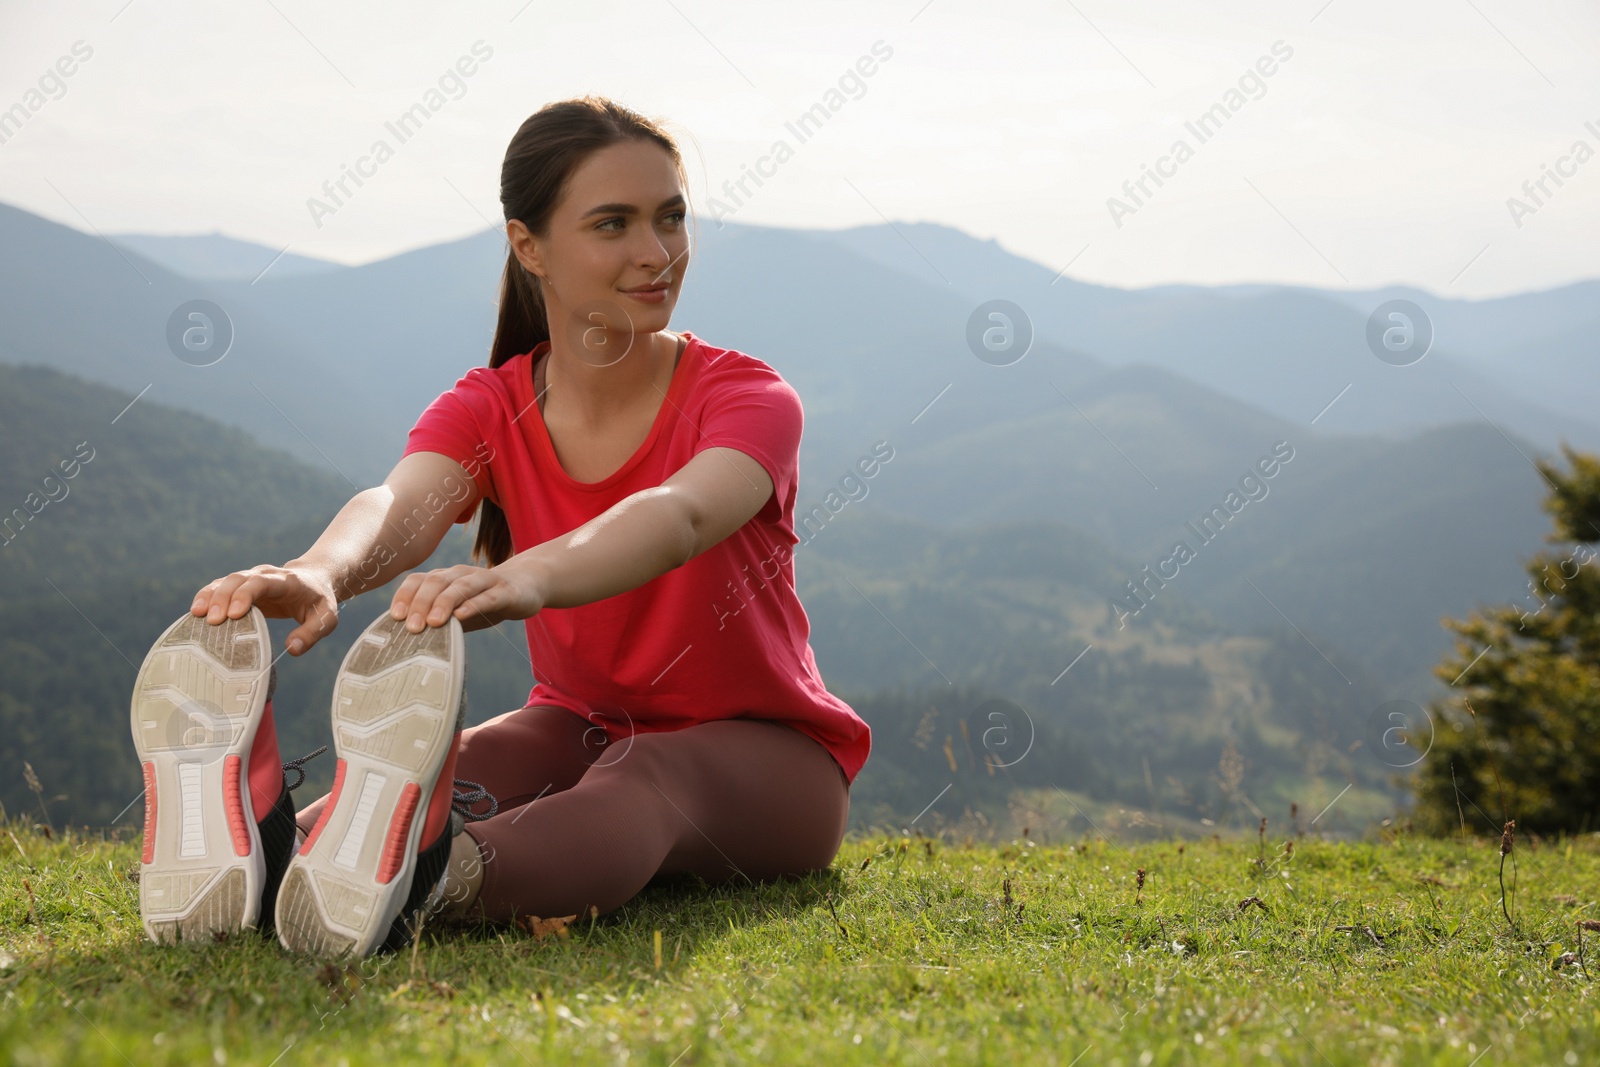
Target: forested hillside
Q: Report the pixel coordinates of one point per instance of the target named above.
(96, 565)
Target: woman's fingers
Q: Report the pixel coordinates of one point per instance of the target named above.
(480, 595)
(221, 598)
(202, 599)
(436, 594)
(316, 622)
(485, 608)
(255, 586)
(461, 589)
(400, 606)
(508, 593)
(278, 592)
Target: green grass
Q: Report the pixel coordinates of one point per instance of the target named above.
(908, 951)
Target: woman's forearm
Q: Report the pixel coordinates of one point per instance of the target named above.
(360, 547)
(390, 528)
(377, 534)
(639, 538)
(371, 540)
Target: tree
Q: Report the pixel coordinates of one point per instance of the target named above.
(1534, 691)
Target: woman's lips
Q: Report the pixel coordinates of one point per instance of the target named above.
(647, 296)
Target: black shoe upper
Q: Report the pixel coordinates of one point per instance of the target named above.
(277, 846)
(432, 861)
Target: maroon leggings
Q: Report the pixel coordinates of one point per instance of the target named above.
(585, 821)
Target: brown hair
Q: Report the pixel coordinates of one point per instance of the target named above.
(547, 148)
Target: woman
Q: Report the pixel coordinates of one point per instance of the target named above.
(635, 491)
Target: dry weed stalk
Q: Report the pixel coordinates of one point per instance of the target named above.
(1507, 831)
(38, 791)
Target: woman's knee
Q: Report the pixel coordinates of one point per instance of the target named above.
(525, 754)
(540, 728)
(816, 806)
(751, 796)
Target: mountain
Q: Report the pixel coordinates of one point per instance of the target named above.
(153, 486)
(403, 329)
(1540, 347)
(1560, 365)
(993, 645)
(1520, 362)
(1361, 542)
(82, 305)
(1289, 351)
(1163, 399)
(213, 257)
(1495, 324)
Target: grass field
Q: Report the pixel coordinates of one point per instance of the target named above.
(908, 951)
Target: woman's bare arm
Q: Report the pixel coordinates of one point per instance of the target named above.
(642, 536)
(380, 533)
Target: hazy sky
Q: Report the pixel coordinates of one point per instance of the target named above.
(1383, 146)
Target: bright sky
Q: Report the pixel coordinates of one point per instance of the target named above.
(1383, 149)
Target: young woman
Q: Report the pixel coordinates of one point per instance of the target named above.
(635, 490)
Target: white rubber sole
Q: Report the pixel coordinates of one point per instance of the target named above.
(197, 702)
(396, 704)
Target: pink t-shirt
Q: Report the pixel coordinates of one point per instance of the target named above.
(723, 636)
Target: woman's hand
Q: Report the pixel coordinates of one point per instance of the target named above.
(478, 596)
(288, 592)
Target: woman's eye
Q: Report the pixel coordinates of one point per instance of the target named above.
(677, 216)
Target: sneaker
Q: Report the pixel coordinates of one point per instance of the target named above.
(203, 728)
(428, 888)
(381, 842)
(278, 830)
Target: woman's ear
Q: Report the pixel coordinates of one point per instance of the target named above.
(525, 246)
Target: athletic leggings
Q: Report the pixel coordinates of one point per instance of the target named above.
(586, 821)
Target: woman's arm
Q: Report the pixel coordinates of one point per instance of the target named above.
(379, 533)
(639, 538)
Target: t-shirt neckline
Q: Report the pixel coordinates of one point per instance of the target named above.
(669, 406)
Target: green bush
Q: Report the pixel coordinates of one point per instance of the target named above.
(1522, 739)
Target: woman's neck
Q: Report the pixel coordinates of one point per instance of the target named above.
(598, 393)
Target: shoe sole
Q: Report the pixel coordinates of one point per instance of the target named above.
(197, 701)
(396, 703)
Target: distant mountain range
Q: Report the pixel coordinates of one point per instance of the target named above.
(215, 257)
(1526, 363)
(1134, 415)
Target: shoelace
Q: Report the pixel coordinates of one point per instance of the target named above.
(463, 800)
(296, 765)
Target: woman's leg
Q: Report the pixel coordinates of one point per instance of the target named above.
(745, 799)
(517, 756)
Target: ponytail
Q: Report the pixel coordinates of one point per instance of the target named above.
(522, 325)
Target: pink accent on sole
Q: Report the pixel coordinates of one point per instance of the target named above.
(394, 845)
(327, 810)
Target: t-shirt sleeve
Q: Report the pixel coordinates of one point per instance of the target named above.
(456, 425)
(761, 416)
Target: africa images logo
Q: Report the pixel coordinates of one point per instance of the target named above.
(1252, 486)
(405, 126)
(1204, 127)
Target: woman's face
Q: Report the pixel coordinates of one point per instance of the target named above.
(620, 225)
